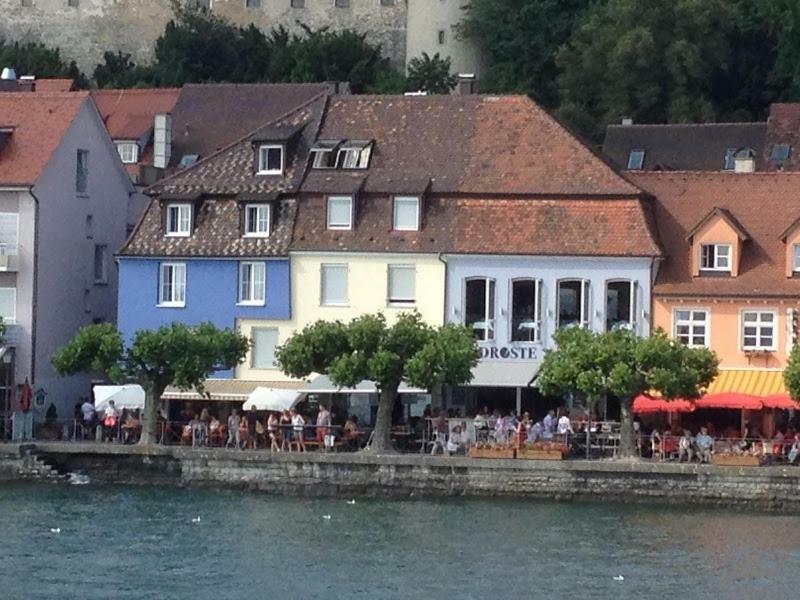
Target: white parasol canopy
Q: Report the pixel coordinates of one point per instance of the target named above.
(124, 396)
(263, 398)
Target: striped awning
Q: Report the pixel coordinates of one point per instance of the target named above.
(230, 390)
(755, 382)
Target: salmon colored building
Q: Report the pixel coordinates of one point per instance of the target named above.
(731, 277)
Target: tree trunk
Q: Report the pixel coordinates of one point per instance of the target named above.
(381, 435)
(152, 396)
(627, 439)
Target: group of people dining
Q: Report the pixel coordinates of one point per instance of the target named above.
(109, 424)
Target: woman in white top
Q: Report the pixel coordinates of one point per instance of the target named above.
(297, 425)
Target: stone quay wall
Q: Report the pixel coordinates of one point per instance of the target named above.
(85, 29)
(764, 488)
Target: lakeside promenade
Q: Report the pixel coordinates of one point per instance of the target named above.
(775, 488)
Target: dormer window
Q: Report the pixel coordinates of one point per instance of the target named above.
(406, 213)
(636, 160)
(270, 159)
(323, 154)
(715, 257)
(780, 152)
(128, 152)
(796, 258)
(340, 212)
(354, 155)
(179, 220)
(257, 219)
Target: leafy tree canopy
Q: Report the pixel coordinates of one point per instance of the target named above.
(622, 364)
(173, 354)
(430, 74)
(791, 374)
(31, 58)
(368, 348)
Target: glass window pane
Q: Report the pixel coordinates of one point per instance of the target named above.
(406, 213)
(570, 302)
(334, 284)
(9, 230)
(524, 312)
(618, 304)
(402, 283)
(264, 342)
(8, 304)
(340, 212)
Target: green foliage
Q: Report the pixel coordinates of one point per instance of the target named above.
(31, 58)
(95, 348)
(368, 348)
(430, 74)
(791, 374)
(119, 71)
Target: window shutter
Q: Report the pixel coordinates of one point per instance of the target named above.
(264, 342)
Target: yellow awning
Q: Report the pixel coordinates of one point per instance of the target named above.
(754, 382)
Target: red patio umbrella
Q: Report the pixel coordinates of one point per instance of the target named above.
(645, 404)
(730, 400)
(781, 401)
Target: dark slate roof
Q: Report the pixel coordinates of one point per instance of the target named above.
(209, 116)
(463, 144)
(783, 127)
(682, 147)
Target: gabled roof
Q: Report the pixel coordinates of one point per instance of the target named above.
(682, 147)
(39, 122)
(725, 215)
(465, 144)
(210, 116)
(129, 114)
(764, 203)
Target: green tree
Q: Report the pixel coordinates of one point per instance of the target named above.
(173, 354)
(653, 60)
(31, 58)
(520, 39)
(119, 71)
(368, 348)
(791, 374)
(430, 74)
(619, 363)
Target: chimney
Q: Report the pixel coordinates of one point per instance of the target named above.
(467, 84)
(744, 161)
(627, 121)
(162, 141)
(8, 74)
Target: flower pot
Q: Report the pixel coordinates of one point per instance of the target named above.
(736, 460)
(475, 452)
(531, 454)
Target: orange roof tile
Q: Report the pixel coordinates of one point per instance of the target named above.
(54, 85)
(39, 121)
(129, 114)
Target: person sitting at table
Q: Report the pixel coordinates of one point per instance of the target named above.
(481, 425)
(549, 425)
(685, 446)
(535, 432)
(131, 427)
(704, 444)
(564, 426)
(455, 443)
(215, 431)
(350, 433)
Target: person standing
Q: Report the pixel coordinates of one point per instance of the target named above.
(252, 420)
(298, 422)
(272, 432)
(323, 424)
(234, 422)
(548, 425)
(285, 423)
(87, 411)
(110, 421)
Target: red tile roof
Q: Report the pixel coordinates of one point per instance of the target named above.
(764, 203)
(465, 144)
(39, 121)
(54, 85)
(129, 114)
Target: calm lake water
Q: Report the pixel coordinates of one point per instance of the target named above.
(148, 543)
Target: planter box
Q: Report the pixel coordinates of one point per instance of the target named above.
(736, 460)
(491, 452)
(530, 454)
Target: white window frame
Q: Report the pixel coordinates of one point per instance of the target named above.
(255, 292)
(716, 266)
(128, 152)
(263, 159)
(258, 230)
(796, 258)
(395, 301)
(322, 271)
(175, 284)
(585, 301)
(354, 155)
(341, 226)
(10, 320)
(636, 165)
(633, 300)
(400, 200)
(253, 350)
(759, 325)
(489, 316)
(537, 310)
(691, 323)
(182, 207)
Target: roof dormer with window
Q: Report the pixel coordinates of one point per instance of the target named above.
(791, 239)
(716, 243)
(341, 154)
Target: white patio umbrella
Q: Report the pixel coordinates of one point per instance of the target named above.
(263, 398)
(124, 396)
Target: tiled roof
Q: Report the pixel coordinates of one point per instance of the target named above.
(571, 227)
(783, 127)
(39, 121)
(54, 84)
(210, 116)
(129, 114)
(764, 203)
(555, 227)
(464, 144)
(678, 147)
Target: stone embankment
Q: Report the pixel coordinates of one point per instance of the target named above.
(771, 488)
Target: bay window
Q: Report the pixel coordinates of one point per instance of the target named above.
(479, 307)
(525, 303)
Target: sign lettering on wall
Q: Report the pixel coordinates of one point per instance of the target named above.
(509, 353)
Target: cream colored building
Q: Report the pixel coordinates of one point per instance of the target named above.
(364, 289)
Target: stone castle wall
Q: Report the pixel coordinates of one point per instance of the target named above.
(85, 31)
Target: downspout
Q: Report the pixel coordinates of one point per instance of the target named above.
(35, 287)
